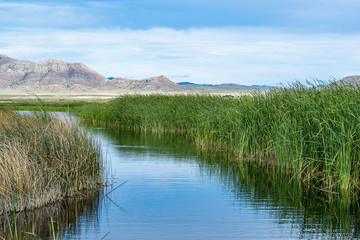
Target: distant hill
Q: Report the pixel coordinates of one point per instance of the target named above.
(227, 85)
(161, 83)
(355, 79)
(194, 84)
(58, 76)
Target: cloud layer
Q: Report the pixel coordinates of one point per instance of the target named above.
(247, 42)
(211, 55)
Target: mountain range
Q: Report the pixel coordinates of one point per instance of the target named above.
(58, 76)
(54, 75)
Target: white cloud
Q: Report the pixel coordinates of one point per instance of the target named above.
(240, 55)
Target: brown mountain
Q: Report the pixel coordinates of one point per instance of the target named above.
(162, 84)
(47, 76)
(57, 76)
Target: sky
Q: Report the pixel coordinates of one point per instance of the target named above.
(201, 41)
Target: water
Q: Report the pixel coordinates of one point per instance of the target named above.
(168, 192)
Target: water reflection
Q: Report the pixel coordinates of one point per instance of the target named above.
(309, 213)
(173, 194)
(61, 219)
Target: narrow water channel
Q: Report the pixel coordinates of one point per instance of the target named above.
(168, 192)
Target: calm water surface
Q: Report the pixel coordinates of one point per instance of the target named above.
(169, 192)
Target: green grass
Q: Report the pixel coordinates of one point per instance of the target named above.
(42, 105)
(44, 160)
(308, 132)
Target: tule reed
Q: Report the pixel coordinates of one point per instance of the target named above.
(43, 160)
(309, 132)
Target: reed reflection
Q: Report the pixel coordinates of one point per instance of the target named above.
(61, 220)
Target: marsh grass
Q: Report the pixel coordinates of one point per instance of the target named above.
(44, 160)
(39, 104)
(309, 132)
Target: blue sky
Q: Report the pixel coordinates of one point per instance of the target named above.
(245, 42)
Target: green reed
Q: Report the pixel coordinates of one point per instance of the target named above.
(41, 104)
(312, 133)
(44, 159)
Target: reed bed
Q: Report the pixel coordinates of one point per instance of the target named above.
(43, 160)
(312, 133)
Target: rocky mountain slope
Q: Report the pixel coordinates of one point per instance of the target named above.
(355, 79)
(161, 83)
(57, 76)
(47, 76)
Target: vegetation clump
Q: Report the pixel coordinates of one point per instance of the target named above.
(310, 132)
(42, 160)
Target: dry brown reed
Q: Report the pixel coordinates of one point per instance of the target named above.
(44, 160)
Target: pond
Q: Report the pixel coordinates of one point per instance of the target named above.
(161, 188)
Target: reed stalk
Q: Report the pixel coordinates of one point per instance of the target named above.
(312, 133)
(44, 160)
